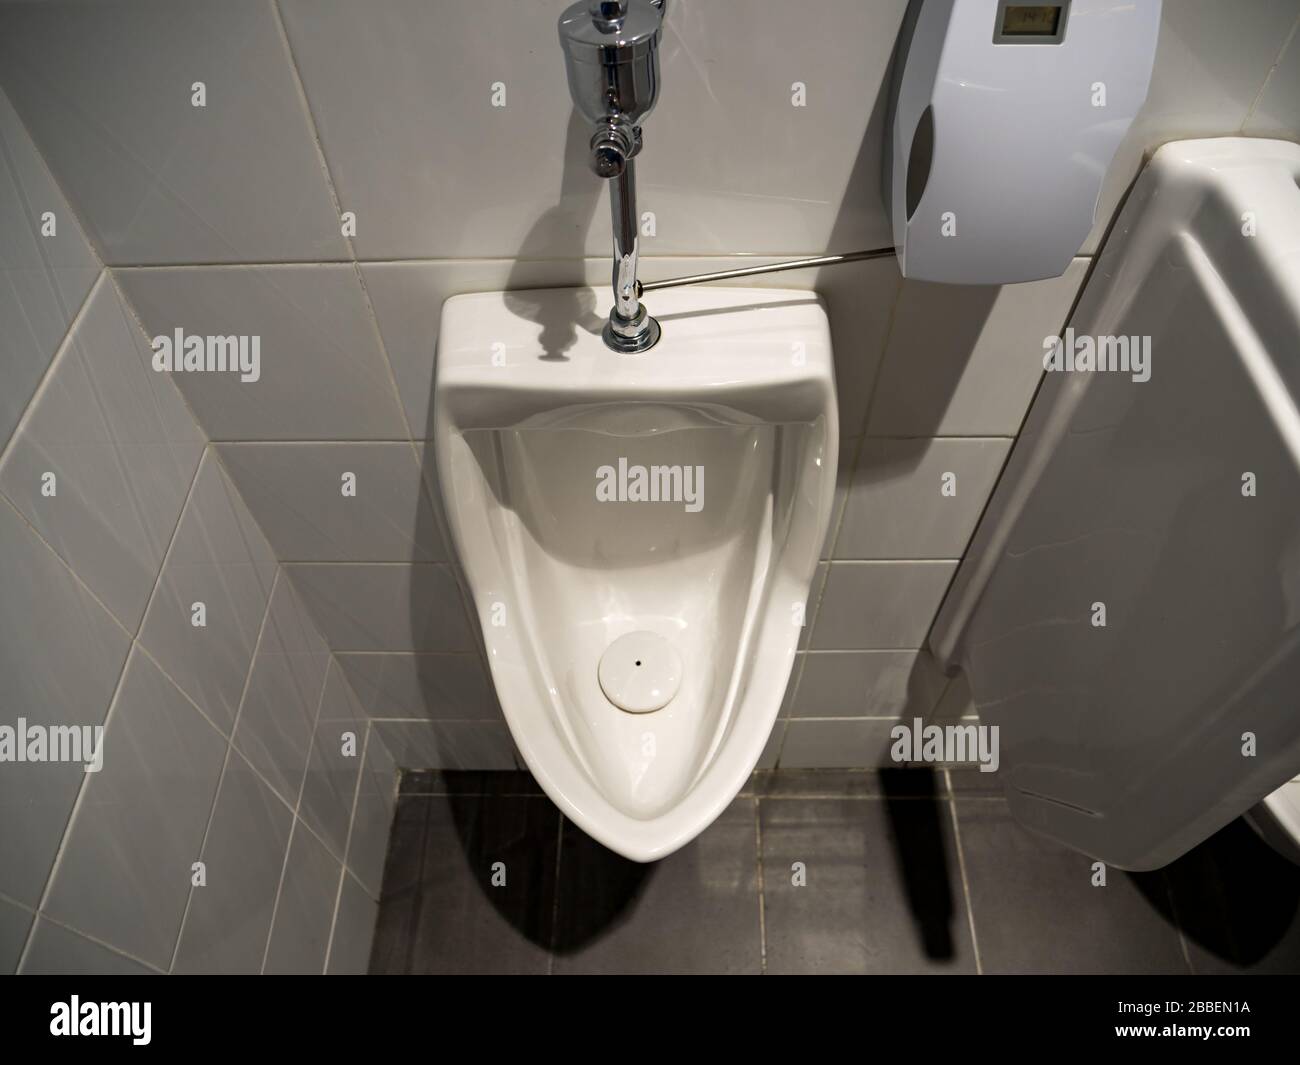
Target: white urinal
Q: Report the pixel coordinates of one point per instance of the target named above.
(1128, 614)
(639, 533)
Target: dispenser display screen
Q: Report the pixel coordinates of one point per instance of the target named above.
(1030, 23)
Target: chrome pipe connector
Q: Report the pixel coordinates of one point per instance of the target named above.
(611, 51)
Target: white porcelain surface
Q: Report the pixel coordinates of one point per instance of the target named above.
(384, 606)
(106, 91)
(123, 875)
(408, 299)
(869, 606)
(219, 558)
(323, 374)
(61, 654)
(1212, 59)
(44, 279)
(123, 450)
(1125, 740)
(964, 360)
(739, 393)
(283, 697)
(301, 933)
(896, 504)
(447, 686)
(724, 164)
(296, 493)
(228, 921)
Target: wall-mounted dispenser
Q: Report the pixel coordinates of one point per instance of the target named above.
(1005, 117)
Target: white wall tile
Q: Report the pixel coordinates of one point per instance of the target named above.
(448, 744)
(44, 279)
(354, 931)
(124, 874)
(879, 605)
(218, 558)
(300, 935)
(296, 493)
(122, 448)
(964, 360)
(385, 607)
(106, 93)
(278, 715)
(330, 786)
(724, 166)
(866, 684)
(323, 375)
(61, 654)
(15, 921)
(896, 508)
(1277, 111)
(434, 686)
(848, 743)
(229, 919)
(376, 801)
(1211, 61)
(58, 951)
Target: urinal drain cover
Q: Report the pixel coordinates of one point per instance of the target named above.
(640, 672)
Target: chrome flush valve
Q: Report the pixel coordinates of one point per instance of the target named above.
(611, 54)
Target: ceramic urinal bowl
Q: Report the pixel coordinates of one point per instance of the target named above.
(639, 534)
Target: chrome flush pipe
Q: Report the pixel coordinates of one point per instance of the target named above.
(611, 52)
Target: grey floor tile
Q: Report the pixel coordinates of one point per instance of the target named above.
(354, 930)
(442, 911)
(845, 783)
(882, 887)
(1238, 904)
(304, 914)
(1036, 910)
(695, 911)
(478, 782)
(970, 781)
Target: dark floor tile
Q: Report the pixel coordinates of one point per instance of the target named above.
(883, 888)
(1238, 902)
(1036, 911)
(845, 783)
(695, 911)
(402, 891)
(459, 920)
(468, 782)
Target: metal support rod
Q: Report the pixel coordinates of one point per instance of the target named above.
(622, 202)
(770, 268)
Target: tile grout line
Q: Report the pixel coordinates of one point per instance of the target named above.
(961, 865)
(297, 806)
(762, 887)
(132, 645)
(230, 748)
(347, 841)
(1268, 76)
(57, 357)
(555, 902)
